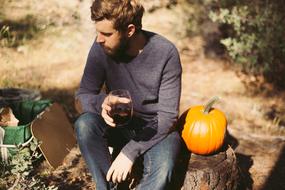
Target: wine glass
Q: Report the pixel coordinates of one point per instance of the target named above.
(121, 107)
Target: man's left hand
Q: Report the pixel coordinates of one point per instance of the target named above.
(119, 169)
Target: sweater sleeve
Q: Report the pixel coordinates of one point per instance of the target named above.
(168, 108)
(92, 81)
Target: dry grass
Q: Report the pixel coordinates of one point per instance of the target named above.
(52, 59)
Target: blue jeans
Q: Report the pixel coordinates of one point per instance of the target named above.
(94, 137)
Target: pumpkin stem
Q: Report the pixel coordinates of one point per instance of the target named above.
(210, 104)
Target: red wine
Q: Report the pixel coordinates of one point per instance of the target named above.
(121, 114)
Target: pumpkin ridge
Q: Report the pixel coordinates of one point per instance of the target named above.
(198, 146)
(212, 136)
(217, 136)
(197, 125)
(190, 132)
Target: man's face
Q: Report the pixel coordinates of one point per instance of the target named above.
(112, 41)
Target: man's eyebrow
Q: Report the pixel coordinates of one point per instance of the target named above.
(107, 33)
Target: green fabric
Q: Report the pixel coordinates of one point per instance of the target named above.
(25, 112)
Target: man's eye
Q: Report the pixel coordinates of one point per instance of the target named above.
(107, 34)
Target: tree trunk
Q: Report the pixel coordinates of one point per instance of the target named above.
(214, 172)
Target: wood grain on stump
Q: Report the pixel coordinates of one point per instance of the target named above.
(214, 172)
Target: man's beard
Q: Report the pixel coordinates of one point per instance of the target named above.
(119, 51)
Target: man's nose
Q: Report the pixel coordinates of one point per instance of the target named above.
(100, 38)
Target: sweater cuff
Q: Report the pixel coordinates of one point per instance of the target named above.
(132, 150)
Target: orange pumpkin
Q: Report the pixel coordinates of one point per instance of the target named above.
(204, 129)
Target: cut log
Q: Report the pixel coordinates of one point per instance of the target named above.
(214, 172)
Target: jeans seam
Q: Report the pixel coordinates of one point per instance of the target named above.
(149, 165)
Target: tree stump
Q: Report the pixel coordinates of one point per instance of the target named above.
(214, 172)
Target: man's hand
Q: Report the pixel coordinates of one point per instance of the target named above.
(106, 107)
(119, 169)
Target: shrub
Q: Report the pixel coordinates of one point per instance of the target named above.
(19, 172)
(257, 39)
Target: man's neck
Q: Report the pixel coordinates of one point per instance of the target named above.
(136, 44)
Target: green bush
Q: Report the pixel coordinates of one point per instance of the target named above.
(19, 172)
(257, 39)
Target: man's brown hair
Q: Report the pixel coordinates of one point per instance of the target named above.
(121, 12)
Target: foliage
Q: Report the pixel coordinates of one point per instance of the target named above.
(197, 14)
(256, 40)
(15, 33)
(19, 171)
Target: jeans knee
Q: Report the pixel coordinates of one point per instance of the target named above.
(86, 125)
(166, 169)
(81, 127)
(159, 177)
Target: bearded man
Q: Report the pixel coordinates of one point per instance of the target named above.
(124, 56)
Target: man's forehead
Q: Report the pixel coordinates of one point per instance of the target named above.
(105, 26)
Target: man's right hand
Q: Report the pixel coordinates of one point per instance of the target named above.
(105, 109)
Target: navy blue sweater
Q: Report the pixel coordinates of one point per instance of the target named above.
(153, 79)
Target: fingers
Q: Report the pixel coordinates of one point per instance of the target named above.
(113, 174)
(110, 123)
(111, 100)
(115, 100)
(117, 176)
(105, 109)
(121, 176)
(119, 169)
(124, 100)
(107, 118)
(109, 173)
(124, 177)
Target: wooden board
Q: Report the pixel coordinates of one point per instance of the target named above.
(53, 129)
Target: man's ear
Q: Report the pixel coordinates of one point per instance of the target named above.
(131, 30)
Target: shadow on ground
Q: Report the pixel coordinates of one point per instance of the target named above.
(65, 97)
(275, 181)
(244, 164)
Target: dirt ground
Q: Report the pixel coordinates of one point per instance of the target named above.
(53, 62)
